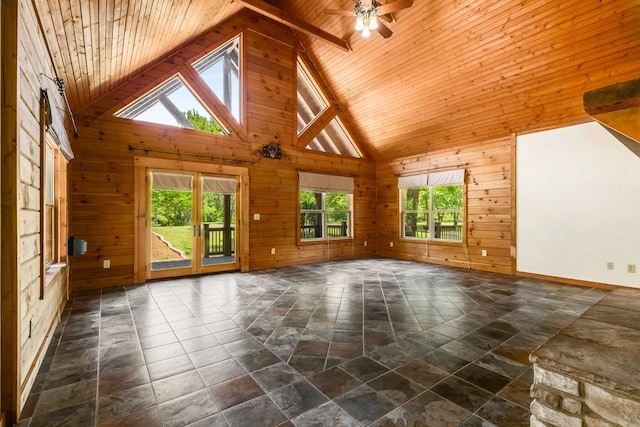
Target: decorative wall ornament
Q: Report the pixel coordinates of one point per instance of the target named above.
(272, 151)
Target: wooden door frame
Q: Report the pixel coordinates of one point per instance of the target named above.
(204, 269)
(172, 272)
(9, 219)
(141, 204)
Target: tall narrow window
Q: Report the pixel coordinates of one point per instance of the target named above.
(50, 211)
(432, 206)
(55, 152)
(221, 72)
(325, 206)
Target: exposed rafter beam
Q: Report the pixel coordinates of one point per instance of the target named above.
(283, 17)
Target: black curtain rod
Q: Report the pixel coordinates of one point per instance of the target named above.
(60, 83)
(197, 156)
(433, 169)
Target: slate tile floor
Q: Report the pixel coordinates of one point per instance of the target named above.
(368, 342)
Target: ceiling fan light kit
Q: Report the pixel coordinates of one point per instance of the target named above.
(372, 15)
(366, 17)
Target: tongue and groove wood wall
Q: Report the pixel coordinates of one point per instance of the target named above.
(488, 210)
(102, 178)
(102, 175)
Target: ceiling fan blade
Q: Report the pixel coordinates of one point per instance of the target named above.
(394, 6)
(338, 12)
(386, 18)
(347, 36)
(384, 30)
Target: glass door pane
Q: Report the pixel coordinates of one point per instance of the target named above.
(172, 227)
(218, 217)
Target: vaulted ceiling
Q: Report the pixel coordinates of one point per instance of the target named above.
(454, 71)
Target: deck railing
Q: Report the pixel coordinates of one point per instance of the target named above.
(444, 232)
(219, 241)
(315, 231)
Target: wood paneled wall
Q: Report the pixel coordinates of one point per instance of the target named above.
(29, 314)
(102, 177)
(488, 207)
(9, 211)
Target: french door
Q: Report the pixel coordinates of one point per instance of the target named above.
(193, 223)
(189, 219)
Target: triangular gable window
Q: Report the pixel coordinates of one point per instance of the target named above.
(310, 100)
(312, 103)
(220, 70)
(334, 139)
(172, 103)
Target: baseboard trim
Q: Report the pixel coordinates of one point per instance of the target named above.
(568, 281)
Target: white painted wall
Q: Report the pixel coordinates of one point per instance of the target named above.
(578, 205)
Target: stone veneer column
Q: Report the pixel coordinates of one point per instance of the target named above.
(587, 375)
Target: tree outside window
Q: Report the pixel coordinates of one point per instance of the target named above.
(324, 215)
(432, 212)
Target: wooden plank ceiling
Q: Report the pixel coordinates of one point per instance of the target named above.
(453, 73)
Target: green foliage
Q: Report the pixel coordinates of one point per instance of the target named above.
(336, 207)
(416, 199)
(213, 207)
(337, 202)
(447, 197)
(170, 207)
(202, 123)
(173, 207)
(310, 200)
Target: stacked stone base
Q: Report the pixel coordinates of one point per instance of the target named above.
(563, 401)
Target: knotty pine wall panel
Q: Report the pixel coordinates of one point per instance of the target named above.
(488, 207)
(37, 311)
(102, 176)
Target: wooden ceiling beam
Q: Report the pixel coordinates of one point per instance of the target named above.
(283, 17)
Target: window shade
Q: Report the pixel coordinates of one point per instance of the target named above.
(437, 178)
(326, 183)
(413, 181)
(218, 185)
(449, 177)
(171, 181)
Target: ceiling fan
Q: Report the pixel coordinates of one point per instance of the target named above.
(372, 15)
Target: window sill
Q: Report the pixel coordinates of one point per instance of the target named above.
(438, 241)
(316, 241)
(52, 270)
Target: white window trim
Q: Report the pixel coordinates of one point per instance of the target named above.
(322, 183)
(454, 177)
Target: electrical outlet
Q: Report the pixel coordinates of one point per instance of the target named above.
(609, 265)
(365, 243)
(273, 251)
(256, 217)
(484, 252)
(390, 244)
(631, 268)
(106, 263)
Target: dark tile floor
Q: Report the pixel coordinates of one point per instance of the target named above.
(368, 342)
